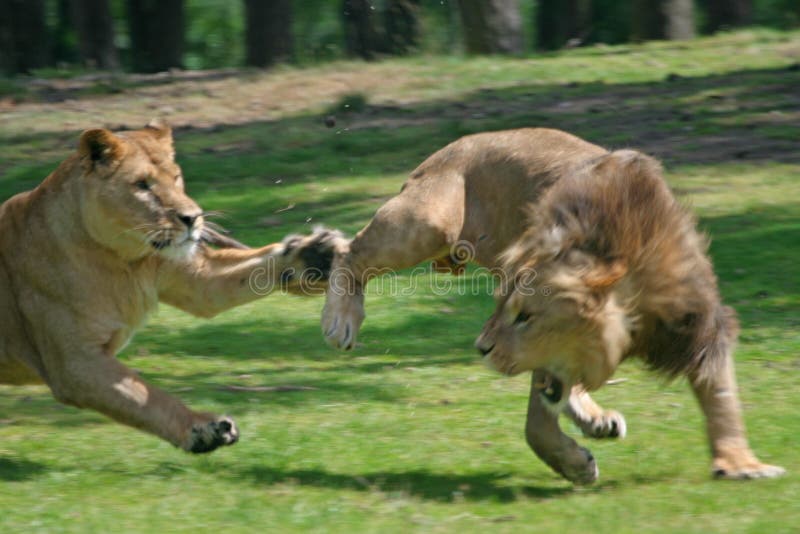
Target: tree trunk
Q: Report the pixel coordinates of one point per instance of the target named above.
(563, 23)
(156, 29)
(663, 19)
(361, 35)
(491, 26)
(402, 25)
(728, 14)
(23, 36)
(95, 33)
(268, 35)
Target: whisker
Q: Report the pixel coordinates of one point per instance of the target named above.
(215, 213)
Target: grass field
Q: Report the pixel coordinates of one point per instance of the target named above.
(409, 432)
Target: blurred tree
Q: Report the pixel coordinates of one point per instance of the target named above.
(491, 26)
(723, 14)
(156, 29)
(64, 39)
(95, 33)
(663, 19)
(268, 34)
(563, 22)
(401, 19)
(23, 36)
(360, 32)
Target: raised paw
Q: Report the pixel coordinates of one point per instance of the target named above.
(311, 257)
(611, 424)
(205, 437)
(342, 316)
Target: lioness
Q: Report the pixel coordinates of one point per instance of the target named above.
(474, 194)
(87, 255)
(620, 271)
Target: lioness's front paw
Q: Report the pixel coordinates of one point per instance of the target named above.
(205, 437)
(731, 469)
(311, 255)
(342, 317)
(609, 425)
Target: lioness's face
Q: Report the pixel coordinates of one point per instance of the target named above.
(560, 325)
(134, 199)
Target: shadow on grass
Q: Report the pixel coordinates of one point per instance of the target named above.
(18, 469)
(423, 484)
(432, 486)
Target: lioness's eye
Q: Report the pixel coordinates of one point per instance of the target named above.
(522, 317)
(142, 184)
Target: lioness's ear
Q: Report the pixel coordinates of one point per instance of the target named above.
(605, 274)
(99, 146)
(160, 129)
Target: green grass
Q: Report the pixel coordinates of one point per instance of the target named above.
(410, 432)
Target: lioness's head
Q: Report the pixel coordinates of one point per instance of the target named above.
(132, 193)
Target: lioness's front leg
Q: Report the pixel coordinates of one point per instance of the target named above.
(545, 437)
(719, 400)
(216, 280)
(98, 381)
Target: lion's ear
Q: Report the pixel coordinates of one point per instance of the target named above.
(99, 146)
(605, 274)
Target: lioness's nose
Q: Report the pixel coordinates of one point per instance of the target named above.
(188, 218)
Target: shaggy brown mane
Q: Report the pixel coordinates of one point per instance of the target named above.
(619, 209)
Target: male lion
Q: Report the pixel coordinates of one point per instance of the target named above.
(87, 255)
(473, 194)
(620, 271)
(470, 194)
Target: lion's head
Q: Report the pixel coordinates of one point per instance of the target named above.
(561, 315)
(610, 265)
(132, 194)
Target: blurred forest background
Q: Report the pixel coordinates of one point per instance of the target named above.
(158, 35)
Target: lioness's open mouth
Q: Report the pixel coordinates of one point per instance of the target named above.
(159, 245)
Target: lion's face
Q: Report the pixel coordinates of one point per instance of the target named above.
(133, 194)
(568, 324)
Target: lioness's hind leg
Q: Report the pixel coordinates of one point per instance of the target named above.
(592, 419)
(404, 232)
(103, 384)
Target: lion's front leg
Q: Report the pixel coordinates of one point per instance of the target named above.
(593, 420)
(719, 400)
(102, 383)
(545, 437)
(409, 229)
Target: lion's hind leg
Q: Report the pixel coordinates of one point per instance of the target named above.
(719, 400)
(591, 418)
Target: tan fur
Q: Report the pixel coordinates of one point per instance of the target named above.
(89, 253)
(620, 272)
(471, 194)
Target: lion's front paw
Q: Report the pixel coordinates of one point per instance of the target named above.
(609, 425)
(744, 469)
(205, 437)
(342, 317)
(580, 469)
